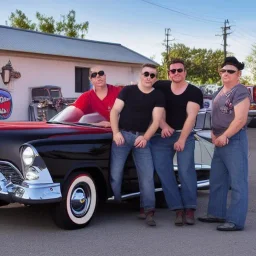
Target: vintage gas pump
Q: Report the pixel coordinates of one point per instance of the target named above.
(46, 102)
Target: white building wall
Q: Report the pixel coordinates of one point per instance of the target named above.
(38, 72)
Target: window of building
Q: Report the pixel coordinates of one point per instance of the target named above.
(82, 82)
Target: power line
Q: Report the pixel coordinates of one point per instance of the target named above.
(243, 34)
(182, 13)
(187, 35)
(251, 33)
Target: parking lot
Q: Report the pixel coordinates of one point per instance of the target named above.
(115, 230)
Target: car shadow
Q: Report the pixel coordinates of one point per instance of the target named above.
(17, 216)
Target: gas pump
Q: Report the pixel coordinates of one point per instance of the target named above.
(46, 102)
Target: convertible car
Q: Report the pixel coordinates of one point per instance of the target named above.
(66, 164)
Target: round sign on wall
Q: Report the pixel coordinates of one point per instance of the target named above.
(5, 104)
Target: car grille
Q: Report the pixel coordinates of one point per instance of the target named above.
(11, 173)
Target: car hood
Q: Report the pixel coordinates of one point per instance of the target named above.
(14, 134)
(55, 126)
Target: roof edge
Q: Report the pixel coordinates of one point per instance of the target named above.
(55, 35)
(73, 58)
(141, 55)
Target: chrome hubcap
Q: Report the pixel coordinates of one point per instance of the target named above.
(80, 200)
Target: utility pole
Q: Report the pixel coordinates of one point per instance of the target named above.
(167, 40)
(225, 34)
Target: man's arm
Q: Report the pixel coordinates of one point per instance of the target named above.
(157, 114)
(192, 111)
(167, 130)
(241, 114)
(114, 120)
(69, 114)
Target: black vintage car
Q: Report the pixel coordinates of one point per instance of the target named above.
(67, 164)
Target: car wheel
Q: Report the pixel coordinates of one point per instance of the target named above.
(79, 200)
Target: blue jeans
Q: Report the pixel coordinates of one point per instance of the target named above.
(230, 170)
(145, 169)
(163, 153)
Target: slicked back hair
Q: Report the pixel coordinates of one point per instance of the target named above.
(148, 65)
(177, 60)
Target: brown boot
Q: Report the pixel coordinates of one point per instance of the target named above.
(142, 215)
(180, 215)
(150, 219)
(190, 219)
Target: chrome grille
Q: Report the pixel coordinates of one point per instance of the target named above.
(10, 172)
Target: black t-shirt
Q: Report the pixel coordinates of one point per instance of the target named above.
(138, 106)
(176, 105)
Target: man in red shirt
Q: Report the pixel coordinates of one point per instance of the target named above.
(100, 99)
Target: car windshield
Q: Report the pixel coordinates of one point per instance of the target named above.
(71, 114)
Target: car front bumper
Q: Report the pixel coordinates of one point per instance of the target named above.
(29, 193)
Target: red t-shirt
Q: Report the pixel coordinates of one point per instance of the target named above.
(89, 102)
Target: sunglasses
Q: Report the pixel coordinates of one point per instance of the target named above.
(230, 71)
(179, 70)
(100, 73)
(152, 75)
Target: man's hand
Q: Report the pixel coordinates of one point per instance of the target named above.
(105, 124)
(213, 138)
(179, 145)
(118, 139)
(140, 142)
(221, 141)
(167, 131)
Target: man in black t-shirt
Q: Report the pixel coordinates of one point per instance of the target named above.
(183, 102)
(134, 119)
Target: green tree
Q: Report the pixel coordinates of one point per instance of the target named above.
(66, 26)
(202, 64)
(69, 27)
(246, 80)
(251, 64)
(18, 19)
(46, 24)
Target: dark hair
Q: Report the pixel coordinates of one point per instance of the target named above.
(148, 65)
(234, 62)
(176, 60)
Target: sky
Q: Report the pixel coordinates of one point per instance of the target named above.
(140, 24)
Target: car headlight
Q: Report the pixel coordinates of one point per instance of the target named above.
(28, 156)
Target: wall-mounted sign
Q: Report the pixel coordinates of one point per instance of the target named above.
(5, 104)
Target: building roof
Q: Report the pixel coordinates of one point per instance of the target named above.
(20, 40)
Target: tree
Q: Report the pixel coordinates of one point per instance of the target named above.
(20, 20)
(70, 28)
(251, 64)
(246, 80)
(66, 26)
(46, 24)
(201, 64)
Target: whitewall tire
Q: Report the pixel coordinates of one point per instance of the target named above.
(79, 201)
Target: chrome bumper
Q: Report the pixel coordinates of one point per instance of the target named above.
(28, 193)
(252, 113)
